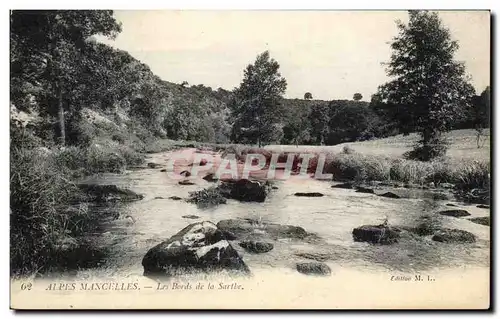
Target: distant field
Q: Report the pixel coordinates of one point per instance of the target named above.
(462, 146)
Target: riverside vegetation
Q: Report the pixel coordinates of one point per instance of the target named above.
(80, 108)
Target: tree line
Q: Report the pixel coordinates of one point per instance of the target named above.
(58, 68)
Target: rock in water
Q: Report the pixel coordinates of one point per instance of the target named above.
(153, 165)
(483, 206)
(315, 256)
(175, 198)
(186, 182)
(256, 246)
(198, 247)
(361, 189)
(106, 193)
(185, 173)
(481, 220)
(248, 228)
(390, 195)
(376, 234)
(313, 194)
(343, 185)
(191, 216)
(210, 178)
(163, 170)
(245, 190)
(447, 235)
(314, 268)
(455, 213)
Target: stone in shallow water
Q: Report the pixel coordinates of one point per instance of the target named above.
(198, 247)
(186, 182)
(376, 234)
(242, 228)
(153, 165)
(483, 206)
(313, 194)
(447, 235)
(454, 213)
(366, 190)
(256, 246)
(210, 178)
(185, 173)
(481, 220)
(314, 256)
(314, 268)
(245, 190)
(175, 198)
(343, 185)
(389, 195)
(105, 193)
(191, 216)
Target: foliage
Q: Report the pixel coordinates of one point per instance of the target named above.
(308, 96)
(208, 197)
(256, 105)
(357, 97)
(429, 87)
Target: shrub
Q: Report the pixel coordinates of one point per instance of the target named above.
(358, 167)
(208, 197)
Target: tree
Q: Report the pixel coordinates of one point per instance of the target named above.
(428, 85)
(319, 119)
(58, 39)
(256, 106)
(308, 96)
(481, 114)
(357, 97)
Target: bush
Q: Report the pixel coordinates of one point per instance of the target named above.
(358, 167)
(208, 197)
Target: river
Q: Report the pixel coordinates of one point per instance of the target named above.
(145, 223)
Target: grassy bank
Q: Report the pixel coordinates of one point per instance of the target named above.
(48, 213)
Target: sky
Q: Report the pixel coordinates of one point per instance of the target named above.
(332, 54)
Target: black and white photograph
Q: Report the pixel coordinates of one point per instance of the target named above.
(250, 159)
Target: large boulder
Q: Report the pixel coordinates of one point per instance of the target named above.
(249, 228)
(198, 247)
(245, 190)
(447, 235)
(376, 234)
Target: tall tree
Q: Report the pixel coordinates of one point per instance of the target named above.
(58, 39)
(257, 102)
(427, 82)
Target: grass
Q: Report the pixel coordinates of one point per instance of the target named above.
(44, 225)
(383, 160)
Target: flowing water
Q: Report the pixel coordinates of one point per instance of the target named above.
(145, 223)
